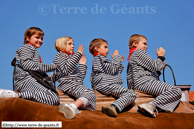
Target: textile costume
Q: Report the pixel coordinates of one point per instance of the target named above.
(143, 75)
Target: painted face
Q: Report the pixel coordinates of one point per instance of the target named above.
(142, 44)
(69, 47)
(103, 49)
(36, 40)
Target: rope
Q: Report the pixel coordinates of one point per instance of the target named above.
(54, 78)
(13, 63)
(172, 74)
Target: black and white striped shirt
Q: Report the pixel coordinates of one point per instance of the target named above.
(144, 68)
(28, 58)
(68, 74)
(106, 72)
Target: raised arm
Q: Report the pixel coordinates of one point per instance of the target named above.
(65, 64)
(102, 64)
(82, 65)
(147, 62)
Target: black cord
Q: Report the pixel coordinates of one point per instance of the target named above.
(13, 76)
(54, 78)
(172, 74)
(13, 63)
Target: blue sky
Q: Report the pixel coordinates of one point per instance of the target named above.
(168, 24)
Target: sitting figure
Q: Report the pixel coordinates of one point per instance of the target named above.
(143, 75)
(29, 61)
(70, 77)
(106, 77)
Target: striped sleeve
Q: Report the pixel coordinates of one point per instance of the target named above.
(28, 58)
(121, 67)
(102, 64)
(82, 69)
(65, 64)
(146, 61)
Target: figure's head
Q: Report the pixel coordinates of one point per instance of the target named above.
(34, 35)
(138, 41)
(99, 46)
(65, 44)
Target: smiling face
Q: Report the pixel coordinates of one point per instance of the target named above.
(103, 49)
(69, 49)
(142, 44)
(36, 40)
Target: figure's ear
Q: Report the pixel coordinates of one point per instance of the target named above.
(135, 44)
(27, 38)
(96, 48)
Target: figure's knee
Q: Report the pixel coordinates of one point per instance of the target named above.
(178, 91)
(54, 99)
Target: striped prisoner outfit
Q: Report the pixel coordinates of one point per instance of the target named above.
(28, 58)
(106, 79)
(143, 74)
(70, 78)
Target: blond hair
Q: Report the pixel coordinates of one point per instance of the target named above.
(61, 43)
(31, 31)
(96, 42)
(135, 38)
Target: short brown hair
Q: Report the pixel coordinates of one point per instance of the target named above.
(96, 42)
(31, 31)
(61, 43)
(135, 38)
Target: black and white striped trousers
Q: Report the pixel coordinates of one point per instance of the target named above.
(168, 96)
(82, 91)
(123, 96)
(30, 89)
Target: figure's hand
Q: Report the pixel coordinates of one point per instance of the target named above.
(81, 49)
(160, 52)
(54, 74)
(83, 59)
(116, 52)
(122, 58)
